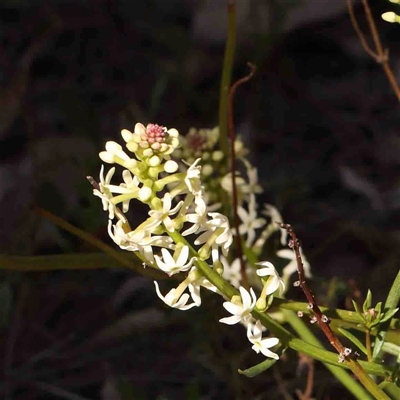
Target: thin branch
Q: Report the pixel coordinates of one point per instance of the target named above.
(281, 385)
(309, 362)
(231, 125)
(322, 320)
(359, 32)
(380, 55)
(374, 32)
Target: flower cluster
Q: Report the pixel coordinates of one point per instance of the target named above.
(181, 196)
(148, 172)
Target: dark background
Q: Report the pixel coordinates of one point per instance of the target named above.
(321, 123)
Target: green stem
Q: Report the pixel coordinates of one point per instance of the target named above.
(368, 344)
(392, 301)
(366, 380)
(226, 81)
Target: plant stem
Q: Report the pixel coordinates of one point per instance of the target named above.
(226, 80)
(341, 375)
(235, 204)
(392, 301)
(368, 344)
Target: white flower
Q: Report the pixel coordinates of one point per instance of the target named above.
(226, 183)
(105, 194)
(131, 184)
(196, 282)
(254, 334)
(240, 307)
(243, 187)
(252, 174)
(218, 233)
(138, 240)
(124, 240)
(250, 222)
(163, 216)
(273, 213)
(274, 281)
(292, 266)
(198, 218)
(232, 271)
(175, 299)
(176, 263)
(115, 154)
(192, 178)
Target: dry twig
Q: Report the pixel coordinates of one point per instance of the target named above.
(380, 54)
(321, 319)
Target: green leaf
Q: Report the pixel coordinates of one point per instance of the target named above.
(259, 368)
(389, 314)
(391, 348)
(357, 308)
(71, 262)
(374, 324)
(367, 302)
(392, 301)
(353, 339)
(393, 389)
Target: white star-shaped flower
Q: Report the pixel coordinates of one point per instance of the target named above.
(176, 263)
(104, 192)
(196, 282)
(274, 214)
(254, 334)
(250, 222)
(124, 240)
(226, 183)
(291, 268)
(163, 216)
(232, 271)
(192, 178)
(252, 174)
(274, 281)
(217, 233)
(175, 299)
(220, 223)
(131, 184)
(138, 240)
(240, 307)
(198, 218)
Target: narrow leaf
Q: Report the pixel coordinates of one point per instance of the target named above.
(367, 302)
(259, 368)
(353, 339)
(389, 314)
(357, 308)
(71, 262)
(392, 349)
